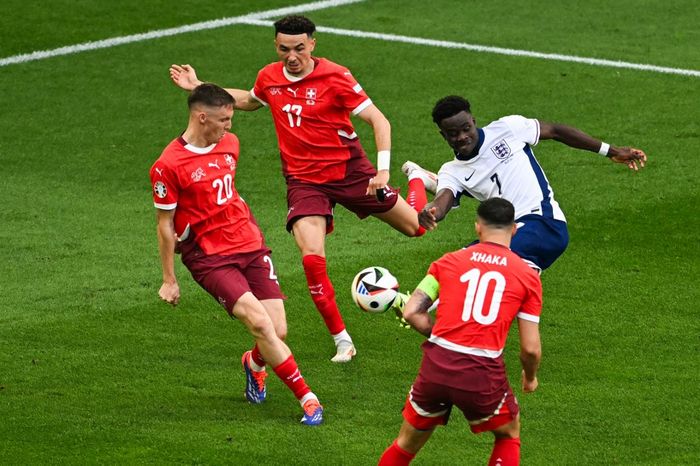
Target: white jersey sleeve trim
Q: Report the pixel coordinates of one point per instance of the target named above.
(252, 93)
(486, 353)
(528, 317)
(362, 106)
(165, 206)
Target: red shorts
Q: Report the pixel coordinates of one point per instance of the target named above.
(476, 385)
(228, 277)
(305, 199)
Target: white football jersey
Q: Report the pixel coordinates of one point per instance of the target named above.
(505, 167)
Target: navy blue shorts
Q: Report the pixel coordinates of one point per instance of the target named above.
(540, 240)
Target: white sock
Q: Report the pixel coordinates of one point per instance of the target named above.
(254, 366)
(342, 336)
(307, 397)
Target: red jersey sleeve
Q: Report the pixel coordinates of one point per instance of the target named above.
(350, 94)
(258, 90)
(165, 185)
(531, 307)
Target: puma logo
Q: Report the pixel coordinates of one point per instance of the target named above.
(214, 164)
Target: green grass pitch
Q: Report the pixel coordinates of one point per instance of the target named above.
(95, 369)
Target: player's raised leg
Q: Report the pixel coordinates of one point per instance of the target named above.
(253, 315)
(403, 217)
(310, 235)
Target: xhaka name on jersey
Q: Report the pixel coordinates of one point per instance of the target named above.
(489, 258)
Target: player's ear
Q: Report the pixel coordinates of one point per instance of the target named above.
(477, 227)
(312, 44)
(514, 230)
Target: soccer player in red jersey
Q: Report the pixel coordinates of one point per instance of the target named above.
(311, 100)
(200, 213)
(482, 289)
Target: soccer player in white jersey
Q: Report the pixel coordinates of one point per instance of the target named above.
(497, 161)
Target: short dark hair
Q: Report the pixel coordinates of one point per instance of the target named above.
(295, 24)
(496, 212)
(210, 95)
(450, 106)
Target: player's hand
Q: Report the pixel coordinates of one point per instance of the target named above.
(633, 158)
(170, 293)
(183, 76)
(427, 219)
(378, 182)
(529, 386)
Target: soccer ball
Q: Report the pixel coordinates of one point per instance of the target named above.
(374, 289)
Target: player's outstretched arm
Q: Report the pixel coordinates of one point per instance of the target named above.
(416, 312)
(530, 353)
(185, 77)
(574, 137)
(169, 290)
(436, 210)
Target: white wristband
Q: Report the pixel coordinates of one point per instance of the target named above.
(604, 148)
(383, 159)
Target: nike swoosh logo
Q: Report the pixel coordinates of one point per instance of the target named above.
(470, 177)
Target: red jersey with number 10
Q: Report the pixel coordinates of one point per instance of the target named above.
(199, 184)
(482, 289)
(312, 117)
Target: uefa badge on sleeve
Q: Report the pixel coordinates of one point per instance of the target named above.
(160, 190)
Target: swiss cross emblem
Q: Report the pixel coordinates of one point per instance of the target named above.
(311, 93)
(501, 150)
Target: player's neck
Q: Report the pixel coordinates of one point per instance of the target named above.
(195, 138)
(502, 239)
(301, 75)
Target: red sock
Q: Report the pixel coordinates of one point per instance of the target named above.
(417, 198)
(322, 292)
(506, 452)
(395, 456)
(256, 356)
(289, 373)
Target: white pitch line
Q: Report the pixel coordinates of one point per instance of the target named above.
(213, 24)
(488, 49)
(258, 19)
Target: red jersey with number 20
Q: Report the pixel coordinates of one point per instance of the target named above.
(482, 289)
(198, 182)
(312, 117)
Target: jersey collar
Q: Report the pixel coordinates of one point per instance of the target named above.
(476, 150)
(196, 149)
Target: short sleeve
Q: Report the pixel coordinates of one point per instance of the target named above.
(531, 308)
(448, 178)
(523, 129)
(349, 92)
(258, 90)
(165, 186)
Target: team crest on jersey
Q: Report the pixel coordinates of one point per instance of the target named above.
(160, 190)
(275, 91)
(198, 174)
(311, 96)
(230, 161)
(501, 150)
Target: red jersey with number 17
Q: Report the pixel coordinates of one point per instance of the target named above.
(482, 289)
(198, 182)
(312, 117)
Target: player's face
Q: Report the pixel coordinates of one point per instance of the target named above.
(217, 122)
(460, 132)
(295, 52)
